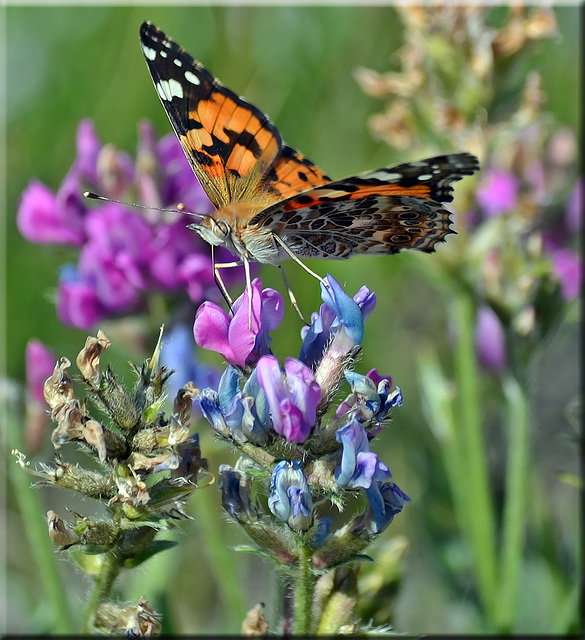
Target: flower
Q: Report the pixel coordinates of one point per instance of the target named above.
(179, 356)
(372, 393)
(293, 396)
(242, 338)
(124, 256)
(236, 497)
(290, 498)
(567, 268)
(385, 500)
(359, 466)
(338, 311)
(498, 192)
(490, 340)
(242, 414)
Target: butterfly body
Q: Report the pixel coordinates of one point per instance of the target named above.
(273, 203)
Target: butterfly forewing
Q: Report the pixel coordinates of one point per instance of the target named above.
(271, 199)
(234, 149)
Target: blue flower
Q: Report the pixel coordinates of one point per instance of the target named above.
(290, 498)
(338, 311)
(359, 466)
(241, 414)
(371, 391)
(236, 490)
(385, 499)
(178, 355)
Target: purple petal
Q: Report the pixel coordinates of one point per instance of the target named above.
(270, 379)
(78, 304)
(498, 192)
(242, 338)
(490, 340)
(38, 218)
(567, 267)
(40, 363)
(211, 330)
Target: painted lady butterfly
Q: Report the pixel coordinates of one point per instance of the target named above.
(273, 203)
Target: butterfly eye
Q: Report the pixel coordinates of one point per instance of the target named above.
(221, 229)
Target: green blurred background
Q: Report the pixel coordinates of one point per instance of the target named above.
(296, 64)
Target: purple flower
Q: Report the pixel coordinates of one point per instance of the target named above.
(290, 497)
(233, 337)
(40, 219)
(567, 268)
(40, 363)
(123, 255)
(338, 311)
(498, 192)
(293, 396)
(359, 466)
(490, 341)
(77, 301)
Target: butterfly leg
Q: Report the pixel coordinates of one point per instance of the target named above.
(293, 257)
(218, 279)
(291, 295)
(248, 289)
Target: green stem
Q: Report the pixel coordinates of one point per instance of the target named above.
(35, 530)
(101, 590)
(516, 501)
(304, 585)
(481, 525)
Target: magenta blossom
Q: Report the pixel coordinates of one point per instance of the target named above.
(497, 192)
(293, 396)
(239, 337)
(124, 255)
(490, 340)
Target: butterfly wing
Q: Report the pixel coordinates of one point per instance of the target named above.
(234, 149)
(378, 212)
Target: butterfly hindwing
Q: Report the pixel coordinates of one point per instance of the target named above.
(378, 212)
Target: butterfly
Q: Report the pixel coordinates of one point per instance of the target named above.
(273, 203)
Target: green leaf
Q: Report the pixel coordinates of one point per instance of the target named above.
(156, 546)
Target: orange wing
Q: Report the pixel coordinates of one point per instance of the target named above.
(235, 150)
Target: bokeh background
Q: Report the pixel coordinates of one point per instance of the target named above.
(297, 64)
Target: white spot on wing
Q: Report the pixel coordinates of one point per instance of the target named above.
(192, 78)
(178, 62)
(163, 54)
(169, 89)
(424, 176)
(148, 52)
(383, 175)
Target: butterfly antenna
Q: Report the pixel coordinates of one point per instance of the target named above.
(180, 207)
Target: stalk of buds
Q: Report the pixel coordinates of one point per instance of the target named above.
(148, 466)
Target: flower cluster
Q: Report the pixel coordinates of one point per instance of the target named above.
(278, 416)
(517, 247)
(123, 255)
(146, 465)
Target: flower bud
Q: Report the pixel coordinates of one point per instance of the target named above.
(290, 498)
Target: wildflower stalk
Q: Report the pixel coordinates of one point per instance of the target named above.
(304, 588)
(514, 518)
(104, 581)
(29, 505)
(481, 525)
